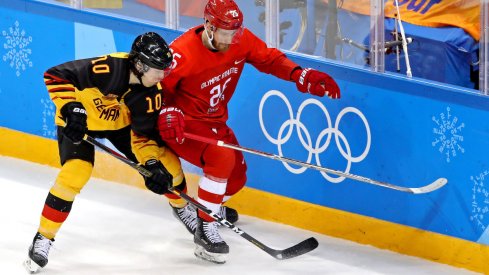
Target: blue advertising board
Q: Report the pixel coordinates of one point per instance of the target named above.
(403, 132)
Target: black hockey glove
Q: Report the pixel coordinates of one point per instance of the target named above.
(161, 180)
(75, 116)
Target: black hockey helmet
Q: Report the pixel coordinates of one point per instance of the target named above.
(151, 49)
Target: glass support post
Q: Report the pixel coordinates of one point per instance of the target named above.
(484, 48)
(172, 14)
(272, 23)
(377, 36)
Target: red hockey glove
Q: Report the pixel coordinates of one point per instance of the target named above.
(316, 83)
(171, 124)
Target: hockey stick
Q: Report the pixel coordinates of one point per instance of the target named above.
(280, 254)
(419, 190)
(409, 73)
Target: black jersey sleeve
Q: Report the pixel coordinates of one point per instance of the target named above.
(109, 74)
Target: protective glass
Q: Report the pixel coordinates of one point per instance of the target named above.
(228, 36)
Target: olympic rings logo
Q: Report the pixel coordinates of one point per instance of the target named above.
(323, 139)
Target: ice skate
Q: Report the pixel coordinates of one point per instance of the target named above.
(187, 215)
(209, 244)
(38, 253)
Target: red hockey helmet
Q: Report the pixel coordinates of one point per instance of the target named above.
(224, 14)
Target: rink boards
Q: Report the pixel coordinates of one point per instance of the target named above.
(384, 127)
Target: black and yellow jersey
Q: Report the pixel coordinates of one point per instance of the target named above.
(99, 83)
(144, 105)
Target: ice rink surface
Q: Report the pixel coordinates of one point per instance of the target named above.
(119, 229)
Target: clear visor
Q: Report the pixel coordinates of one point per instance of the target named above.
(228, 36)
(156, 73)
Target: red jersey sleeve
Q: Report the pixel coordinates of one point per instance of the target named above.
(267, 60)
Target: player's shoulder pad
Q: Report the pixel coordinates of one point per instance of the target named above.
(119, 55)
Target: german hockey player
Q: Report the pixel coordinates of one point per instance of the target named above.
(89, 95)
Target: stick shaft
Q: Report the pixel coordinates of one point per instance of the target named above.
(425, 189)
(291, 252)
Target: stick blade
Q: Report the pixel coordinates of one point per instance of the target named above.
(430, 187)
(298, 249)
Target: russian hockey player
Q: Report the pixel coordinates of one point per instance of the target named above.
(208, 61)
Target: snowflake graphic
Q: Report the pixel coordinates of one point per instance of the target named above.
(480, 201)
(48, 113)
(448, 135)
(16, 45)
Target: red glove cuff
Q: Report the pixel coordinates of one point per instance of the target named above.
(316, 83)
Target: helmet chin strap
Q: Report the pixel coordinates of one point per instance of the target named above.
(210, 39)
(139, 70)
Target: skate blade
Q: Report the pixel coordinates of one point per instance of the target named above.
(216, 258)
(31, 266)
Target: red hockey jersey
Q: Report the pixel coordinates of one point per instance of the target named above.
(203, 81)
